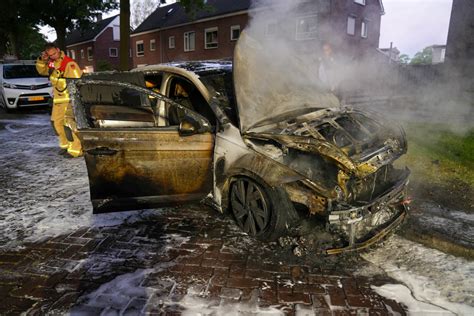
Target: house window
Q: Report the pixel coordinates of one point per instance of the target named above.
(210, 38)
(351, 22)
(307, 27)
(82, 54)
(171, 43)
(152, 45)
(363, 29)
(140, 48)
(362, 2)
(189, 41)
(234, 32)
(72, 54)
(88, 69)
(271, 29)
(90, 55)
(113, 52)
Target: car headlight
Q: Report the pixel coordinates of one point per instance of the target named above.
(9, 85)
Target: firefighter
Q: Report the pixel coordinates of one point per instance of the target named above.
(54, 63)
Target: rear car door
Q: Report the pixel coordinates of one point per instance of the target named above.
(137, 154)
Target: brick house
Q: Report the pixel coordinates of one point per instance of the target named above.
(97, 48)
(460, 42)
(168, 34)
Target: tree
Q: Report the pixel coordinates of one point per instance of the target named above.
(65, 15)
(16, 36)
(124, 34)
(424, 57)
(404, 59)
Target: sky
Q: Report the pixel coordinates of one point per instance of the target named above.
(410, 24)
(415, 24)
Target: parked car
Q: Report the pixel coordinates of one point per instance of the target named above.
(22, 86)
(175, 133)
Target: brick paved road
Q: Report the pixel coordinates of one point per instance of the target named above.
(180, 259)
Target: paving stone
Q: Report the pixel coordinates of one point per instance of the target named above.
(200, 272)
(285, 285)
(231, 293)
(358, 301)
(79, 232)
(309, 288)
(336, 296)
(219, 277)
(242, 283)
(302, 298)
(213, 263)
(191, 260)
(268, 294)
(259, 275)
(70, 251)
(37, 292)
(320, 302)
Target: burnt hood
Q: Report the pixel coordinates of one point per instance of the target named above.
(271, 79)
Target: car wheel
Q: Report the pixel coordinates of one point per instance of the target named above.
(260, 211)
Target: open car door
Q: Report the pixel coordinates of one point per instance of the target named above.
(141, 148)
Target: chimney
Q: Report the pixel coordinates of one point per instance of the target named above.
(99, 17)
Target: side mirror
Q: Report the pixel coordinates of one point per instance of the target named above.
(189, 126)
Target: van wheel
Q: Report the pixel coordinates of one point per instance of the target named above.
(259, 210)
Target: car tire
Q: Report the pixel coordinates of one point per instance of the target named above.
(259, 210)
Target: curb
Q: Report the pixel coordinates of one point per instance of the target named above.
(436, 241)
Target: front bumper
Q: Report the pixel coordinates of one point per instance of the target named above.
(14, 98)
(367, 224)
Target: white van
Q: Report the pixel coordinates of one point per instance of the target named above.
(22, 86)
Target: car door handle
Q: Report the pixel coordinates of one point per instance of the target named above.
(102, 151)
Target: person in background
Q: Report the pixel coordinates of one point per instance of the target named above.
(54, 63)
(327, 68)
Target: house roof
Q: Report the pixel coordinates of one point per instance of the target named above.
(394, 50)
(382, 9)
(78, 35)
(174, 14)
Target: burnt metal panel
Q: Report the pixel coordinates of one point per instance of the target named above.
(147, 163)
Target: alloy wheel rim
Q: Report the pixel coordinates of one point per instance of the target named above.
(250, 208)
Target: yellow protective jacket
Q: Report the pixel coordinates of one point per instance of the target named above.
(58, 70)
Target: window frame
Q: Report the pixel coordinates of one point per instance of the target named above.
(232, 29)
(271, 28)
(83, 55)
(152, 45)
(354, 19)
(306, 35)
(187, 41)
(210, 45)
(364, 28)
(90, 53)
(113, 49)
(139, 53)
(171, 40)
(360, 2)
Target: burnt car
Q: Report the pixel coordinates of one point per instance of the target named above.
(181, 132)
